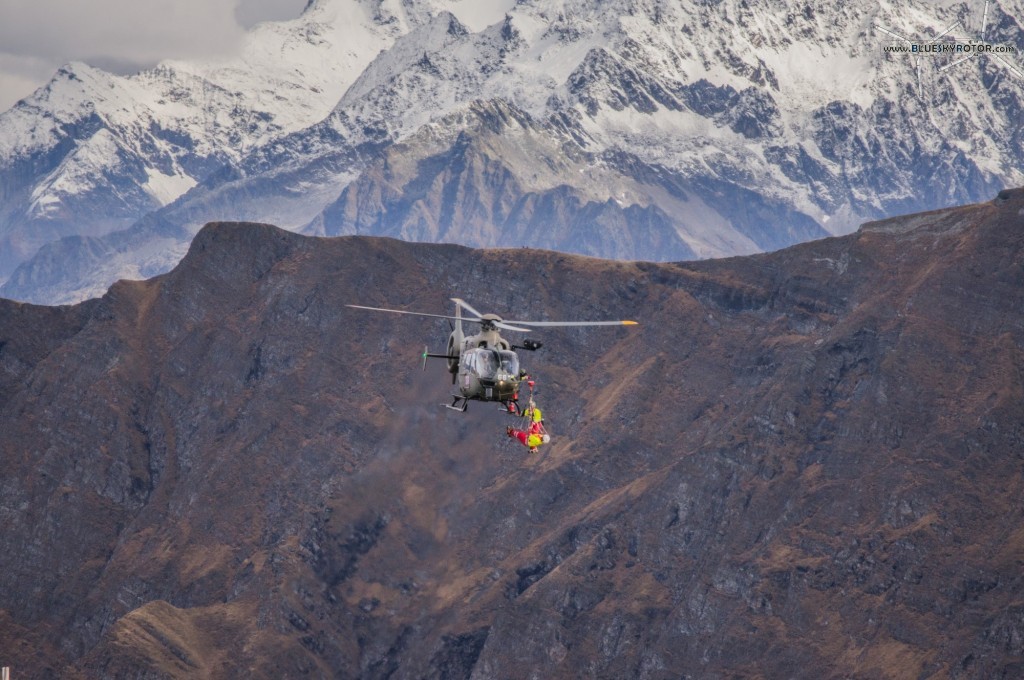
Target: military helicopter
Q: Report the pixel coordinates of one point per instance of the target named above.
(485, 366)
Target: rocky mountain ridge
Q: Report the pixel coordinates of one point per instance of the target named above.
(802, 464)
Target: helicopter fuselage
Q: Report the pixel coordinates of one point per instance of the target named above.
(485, 366)
(488, 374)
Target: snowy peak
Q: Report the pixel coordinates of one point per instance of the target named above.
(409, 52)
(91, 152)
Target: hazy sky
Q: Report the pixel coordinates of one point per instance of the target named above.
(123, 36)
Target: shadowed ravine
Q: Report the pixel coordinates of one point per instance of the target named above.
(802, 464)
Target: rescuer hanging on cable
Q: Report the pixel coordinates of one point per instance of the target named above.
(534, 435)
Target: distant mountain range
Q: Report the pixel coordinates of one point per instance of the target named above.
(802, 464)
(632, 129)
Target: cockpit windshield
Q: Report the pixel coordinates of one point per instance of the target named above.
(487, 363)
(509, 362)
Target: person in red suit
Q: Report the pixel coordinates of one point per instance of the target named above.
(534, 435)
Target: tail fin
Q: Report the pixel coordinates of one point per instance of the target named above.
(455, 343)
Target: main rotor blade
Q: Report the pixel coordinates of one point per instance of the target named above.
(479, 317)
(507, 327)
(436, 316)
(574, 323)
(399, 311)
(465, 305)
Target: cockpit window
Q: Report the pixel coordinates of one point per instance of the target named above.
(486, 362)
(509, 362)
(486, 365)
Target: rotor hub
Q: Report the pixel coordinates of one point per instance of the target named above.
(489, 322)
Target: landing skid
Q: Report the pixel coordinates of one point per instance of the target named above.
(455, 404)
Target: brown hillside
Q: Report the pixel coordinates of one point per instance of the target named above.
(805, 464)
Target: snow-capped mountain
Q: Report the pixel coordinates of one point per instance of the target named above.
(493, 176)
(92, 152)
(701, 129)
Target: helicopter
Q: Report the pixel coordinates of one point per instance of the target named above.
(485, 366)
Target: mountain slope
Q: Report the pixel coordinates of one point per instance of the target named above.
(495, 176)
(802, 464)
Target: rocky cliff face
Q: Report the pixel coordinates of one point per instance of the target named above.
(805, 464)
